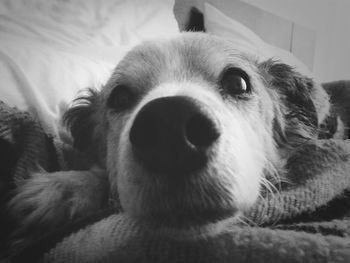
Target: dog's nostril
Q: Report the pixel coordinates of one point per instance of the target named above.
(201, 131)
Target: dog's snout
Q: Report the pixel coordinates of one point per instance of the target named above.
(173, 134)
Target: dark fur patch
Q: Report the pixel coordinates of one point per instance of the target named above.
(196, 21)
(82, 120)
(296, 103)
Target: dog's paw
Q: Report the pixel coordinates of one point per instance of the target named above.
(48, 200)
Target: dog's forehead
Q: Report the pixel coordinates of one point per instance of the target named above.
(188, 57)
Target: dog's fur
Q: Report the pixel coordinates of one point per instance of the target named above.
(258, 133)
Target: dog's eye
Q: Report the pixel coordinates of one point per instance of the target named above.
(235, 82)
(120, 98)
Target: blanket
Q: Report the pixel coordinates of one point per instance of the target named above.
(308, 221)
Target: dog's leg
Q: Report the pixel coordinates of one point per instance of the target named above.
(48, 200)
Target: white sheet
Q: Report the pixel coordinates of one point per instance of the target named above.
(52, 49)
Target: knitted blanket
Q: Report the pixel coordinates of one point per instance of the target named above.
(308, 221)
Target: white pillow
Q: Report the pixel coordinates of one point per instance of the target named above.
(50, 50)
(219, 24)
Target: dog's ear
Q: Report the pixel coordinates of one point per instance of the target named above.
(303, 103)
(84, 122)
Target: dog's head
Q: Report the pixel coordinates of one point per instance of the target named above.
(189, 129)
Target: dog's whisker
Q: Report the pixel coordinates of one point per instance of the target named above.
(272, 194)
(246, 221)
(270, 187)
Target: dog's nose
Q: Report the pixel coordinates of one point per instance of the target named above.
(173, 134)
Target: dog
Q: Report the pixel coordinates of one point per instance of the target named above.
(185, 132)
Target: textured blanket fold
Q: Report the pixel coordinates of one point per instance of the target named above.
(309, 221)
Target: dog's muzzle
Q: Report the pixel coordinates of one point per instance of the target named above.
(173, 135)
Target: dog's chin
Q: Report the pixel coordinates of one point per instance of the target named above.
(187, 200)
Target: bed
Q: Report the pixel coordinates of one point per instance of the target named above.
(52, 50)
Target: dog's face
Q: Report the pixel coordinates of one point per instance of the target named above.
(190, 129)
